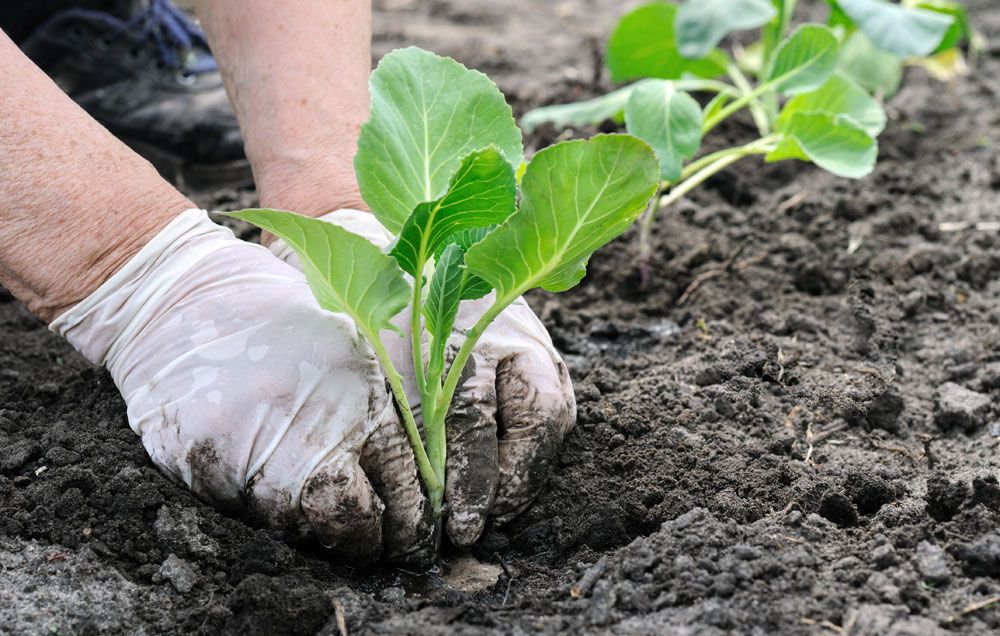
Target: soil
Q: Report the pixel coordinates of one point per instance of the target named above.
(793, 429)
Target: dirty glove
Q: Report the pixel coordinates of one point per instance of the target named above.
(510, 413)
(246, 391)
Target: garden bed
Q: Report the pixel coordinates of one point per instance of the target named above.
(782, 434)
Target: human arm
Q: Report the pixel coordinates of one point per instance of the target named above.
(297, 74)
(68, 218)
(239, 385)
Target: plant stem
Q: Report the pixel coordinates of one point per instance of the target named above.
(434, 426)
(705, 160)
(708, 159)
(434, 433)
(723, 159)
(760, 116)
(693, 175)
(435, 488)
(462, 357)
(773, 34)
(734, 106)
(786, 16)
(646, 243)
(431, 434)
(436, 402)
(434, 430)
(416, 331)
(705, 86)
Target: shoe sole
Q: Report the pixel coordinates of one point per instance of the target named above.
(186, 175)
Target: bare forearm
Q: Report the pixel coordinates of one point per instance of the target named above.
(75, 203)
(297, 73)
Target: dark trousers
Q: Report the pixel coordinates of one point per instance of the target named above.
(18, 18)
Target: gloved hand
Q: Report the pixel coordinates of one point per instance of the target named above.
(513, 407)
(254, 397)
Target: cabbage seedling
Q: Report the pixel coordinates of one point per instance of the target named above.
(813, 91)
(440, 163)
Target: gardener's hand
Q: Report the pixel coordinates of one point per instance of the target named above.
(243, 389)
(511, 411)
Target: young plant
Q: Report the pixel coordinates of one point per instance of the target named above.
(440, 163)
(813, 91)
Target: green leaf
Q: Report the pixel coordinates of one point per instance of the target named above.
(667, 119)
(804, 60)
(715, 105)
(840, 95)
(643, 45)
(482, 193)
(346, 272)
(465, 239)
(576, 196)
(900, 30)
(473, 287)
(877, 71)
(835, 143)
(701, 24)
(589, 113)
(595, 111)
(959, 30)
(838, 18)
(444, 294)
(774, 31)
(427, 114)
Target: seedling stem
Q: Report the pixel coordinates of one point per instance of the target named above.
(760, 116)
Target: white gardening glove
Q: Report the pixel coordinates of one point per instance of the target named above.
(509, 415)
(246, 391)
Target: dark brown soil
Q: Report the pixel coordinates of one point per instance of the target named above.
(778, 436)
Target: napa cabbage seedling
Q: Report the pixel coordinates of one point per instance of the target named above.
(440, 163)
(813, 91)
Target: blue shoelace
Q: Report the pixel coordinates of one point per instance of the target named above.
(176, 37)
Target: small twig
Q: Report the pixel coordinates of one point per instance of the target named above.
(975, 607)
(596, 47)
(788, 508)
(959, 226)
(793, 201)
(927, 440)
(837, 629)
(510, 578)
(503, 565)
(892, 449)
(589, 577)
(506, 593)
(833, 430)
(338, 610)
(814, 439)
(978, 605)
(809, 440)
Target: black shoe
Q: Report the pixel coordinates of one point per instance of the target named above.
(151, 80)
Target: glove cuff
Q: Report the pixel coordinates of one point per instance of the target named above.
(102, 323)
(355, 221)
